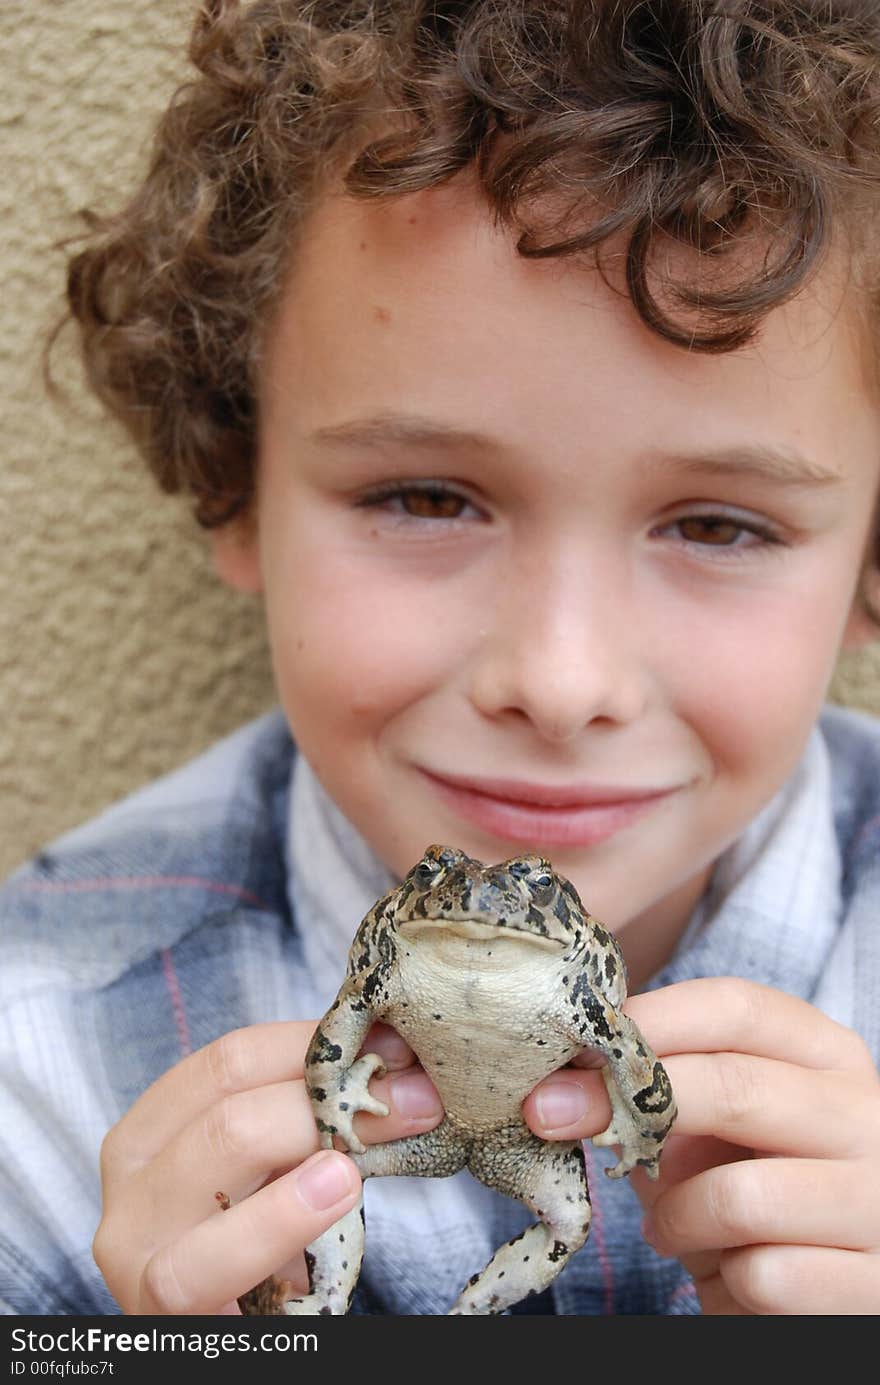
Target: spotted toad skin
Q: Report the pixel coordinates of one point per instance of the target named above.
(495, 975)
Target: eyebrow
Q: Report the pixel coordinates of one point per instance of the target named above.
(758, 461)
(410, 430)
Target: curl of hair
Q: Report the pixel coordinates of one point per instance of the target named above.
(711, 125)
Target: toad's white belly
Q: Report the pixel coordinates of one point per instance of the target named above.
(484, 1018)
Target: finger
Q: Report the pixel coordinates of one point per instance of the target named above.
(293, 1273)
(570, 1104)
(716, 1300)
(391, 1047)
(684, 1156)
(236, 1144)
(803, 1280)
(226, 1255)
(764, 1104)
(715, 1014)
(256, 1056)
(751, 1102)
(706, 1015)
(296, 1273)
(774, 1201)
(413, 1103)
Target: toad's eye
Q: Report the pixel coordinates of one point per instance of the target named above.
(542, 881)
(541, 884)
(426, 871)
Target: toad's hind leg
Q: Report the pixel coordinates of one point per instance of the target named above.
(334, 1262)
(435, 1154)
(334, 1259)
(550, 1178)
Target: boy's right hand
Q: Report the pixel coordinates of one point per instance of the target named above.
(235, 1118)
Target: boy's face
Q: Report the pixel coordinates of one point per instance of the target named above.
(536, 579)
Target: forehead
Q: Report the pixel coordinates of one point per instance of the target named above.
(421, 301)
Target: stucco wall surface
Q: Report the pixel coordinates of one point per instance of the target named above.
(120, 653)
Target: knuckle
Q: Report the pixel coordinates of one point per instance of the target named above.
(161, 1289)
(857, 1053)
(103, 1245)
(114, 1158)
(744, 1001)
(107, 1157)
(734, 1200)
(229, 1127)
(229, 1061)
(763, 1279)
(737, 1089)
(112, 1258)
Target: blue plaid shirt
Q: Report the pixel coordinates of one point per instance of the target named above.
(167, 921)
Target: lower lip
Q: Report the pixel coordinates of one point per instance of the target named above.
(540, 826)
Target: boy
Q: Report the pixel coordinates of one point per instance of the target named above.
(520, 356)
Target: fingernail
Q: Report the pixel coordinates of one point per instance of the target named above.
(414, 1095)
(324, 1180)
(560, 1104)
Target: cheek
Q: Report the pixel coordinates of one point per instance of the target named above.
(352, 651)
(758, 676)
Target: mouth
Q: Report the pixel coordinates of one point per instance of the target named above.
(545, 815)
(480, 932)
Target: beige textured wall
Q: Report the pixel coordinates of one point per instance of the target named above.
(120, 654)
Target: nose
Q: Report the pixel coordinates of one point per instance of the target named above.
(562, 647)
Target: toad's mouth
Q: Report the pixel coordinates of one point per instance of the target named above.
(475, 930)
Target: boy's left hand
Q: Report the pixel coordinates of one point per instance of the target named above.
(769, 1188)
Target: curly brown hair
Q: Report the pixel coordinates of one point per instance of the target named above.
(703, 123)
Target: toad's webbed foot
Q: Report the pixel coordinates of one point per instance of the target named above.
(336, 1106)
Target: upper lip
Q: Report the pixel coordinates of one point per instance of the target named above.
(551, 795)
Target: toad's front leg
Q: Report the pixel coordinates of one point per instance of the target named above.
(336, 1079)
(642, 1104)
(337, 1083)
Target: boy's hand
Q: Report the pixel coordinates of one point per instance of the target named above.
(235, 1119)
(769, 1188)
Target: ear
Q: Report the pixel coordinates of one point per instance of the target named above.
(862, 628)
(235, 548)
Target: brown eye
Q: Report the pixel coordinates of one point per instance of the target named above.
(717, 530)
(426, 502)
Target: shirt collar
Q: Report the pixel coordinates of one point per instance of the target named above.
(334, 879)
(772, 910)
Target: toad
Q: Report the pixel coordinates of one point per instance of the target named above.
(495, 975)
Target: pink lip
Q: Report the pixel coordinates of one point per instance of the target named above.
(546, 815)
